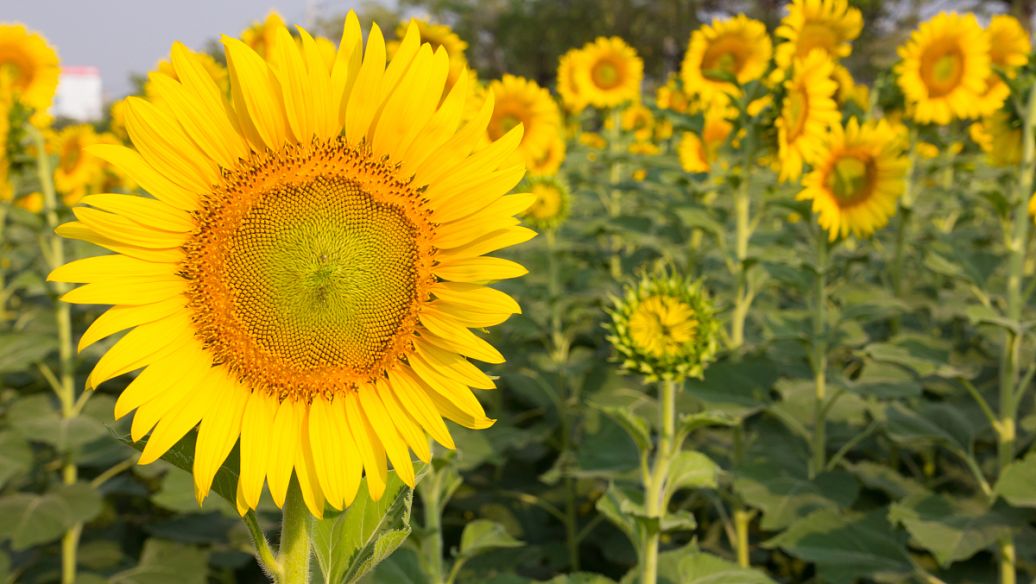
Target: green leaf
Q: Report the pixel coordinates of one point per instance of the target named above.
(483, 535)
(1017, 483)
(37, 419)
(350, 544)
(19, 350)
(164, 562)
(932, 423)
(704, 568)
(847, 547)
(952, 530)
(688, 423)
(739, 387)
(784, 498)
(691, 470)
(612, 505)
(636, 426)
(15, 456)
(177, 494)
(29, 520)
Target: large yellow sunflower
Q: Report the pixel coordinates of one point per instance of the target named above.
(736, 48)
(520, 101)
(826, 25)
(32, 65)
(437, 35)
(609, 72)
(857, 179)
(808, 111)
(307, 274)
(944, 68)
(1009, 48)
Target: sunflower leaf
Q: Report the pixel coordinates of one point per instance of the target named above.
(350, 544)
(29, 520)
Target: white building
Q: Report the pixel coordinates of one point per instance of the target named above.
(79, 94)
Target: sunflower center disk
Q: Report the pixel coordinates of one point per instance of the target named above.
(850, 180)
(606, 75)
(798, 107)
(816, 35)
(304, 282)
(942, 70)
(722, 60)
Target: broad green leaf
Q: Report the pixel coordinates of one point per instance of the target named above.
(177, 494)
(952, 530)
(20, 350)
(483, 535)
(37, 419)
(883, 478)
(634, 425)
(580, 578)
(704, 568)
(15, 456)
(165, 562)
(612, 505)
(738, 387)
(847, 547)
(784, 498)
(1017, 483)
(932, 423)
(350, 544)
(691, 470)
(604, 448)
(688, 423)
(29, 520)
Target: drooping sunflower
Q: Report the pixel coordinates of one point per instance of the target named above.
(437, 35)
(262, 35)
(550, 159)
(664, 327)
(32, 65)
(944, 68)
(826, 25)
(857, 179)
(1009, 48)
(808, 111)
(520, 101)
(572, 97)
(737, 48)
(609, 72)
(304, 280)
(552, 203)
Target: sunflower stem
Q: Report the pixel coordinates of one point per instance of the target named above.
(1017, 241)
(296, 527)
(742, 233)
(430, 491)
(819, 360)
(906, 211)
(614, 194)
(654, 495)
(264, 554)
(66, 352)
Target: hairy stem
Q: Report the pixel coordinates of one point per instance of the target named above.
(819, 445)
(296, 527)
(654, 491)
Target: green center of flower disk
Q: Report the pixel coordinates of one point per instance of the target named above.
(324, 274)
(797, 108)
(942, 68)
(605, 74)
(851, 179)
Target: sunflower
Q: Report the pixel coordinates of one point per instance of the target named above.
(663, 327)
(737, 48)
(552, 203)
(849, 91)
(671, 97)
(306, 275)
(549, 162)
(6, 188)
(609, 72)
(32, 65)
(1000, 138)
(944, 68)
(857, 178)
(262, 35)
(165, 67)
(78, 172)
(437, 35)
(1009, 48)
(808, 110)
(638, 120)
(523, 102)
(572, 97)
(826, 25)
(698, 153)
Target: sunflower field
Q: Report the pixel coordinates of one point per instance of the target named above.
(325, 304)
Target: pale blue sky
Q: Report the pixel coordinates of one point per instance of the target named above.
(121, 37)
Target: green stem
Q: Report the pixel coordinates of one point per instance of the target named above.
(742, 233)
(614, 194)
(66, 352)
(1009, 361)
(654, 491)
(906, 211)
(820, 357)
(3, 253)
(431, 544)
(296, 525)
(267, 560)
(742, 516)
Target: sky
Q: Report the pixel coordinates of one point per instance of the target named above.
(121, 37)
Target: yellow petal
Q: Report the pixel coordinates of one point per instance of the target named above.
(172, 427)
(284, 444)
(385, 428)
(306, 472)
(407, 390)
(131, 163)
(166, 147)
(184, 367)
(256, 90)
(130, 291)
(370, 449)
(290, 71)
(77, 230)
(459, 367)
(480, 270)
(408, 428)
(328, 456)
(256, 439)
(364, 97)
(141, 346)
(489, 243)
(151, 212)
(126, 231)
(219, 430)
(122, 317)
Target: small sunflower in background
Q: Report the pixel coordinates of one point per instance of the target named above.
(437, 35)
(664, 328)
(520, 101)
(1009, 48)
(807, 112)
(944, 68)
(549, 161)
(165, 72)
(78, 172)
(737, 48)
(305, 279)
(552, 202)
(849, 91)
(31, 66)
(825, 25)
(572, 98)
(1000, 137)
(698, 153)
(639, 121)
(261, 36)
(6, 103)
(857, 178)
(609, 73)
